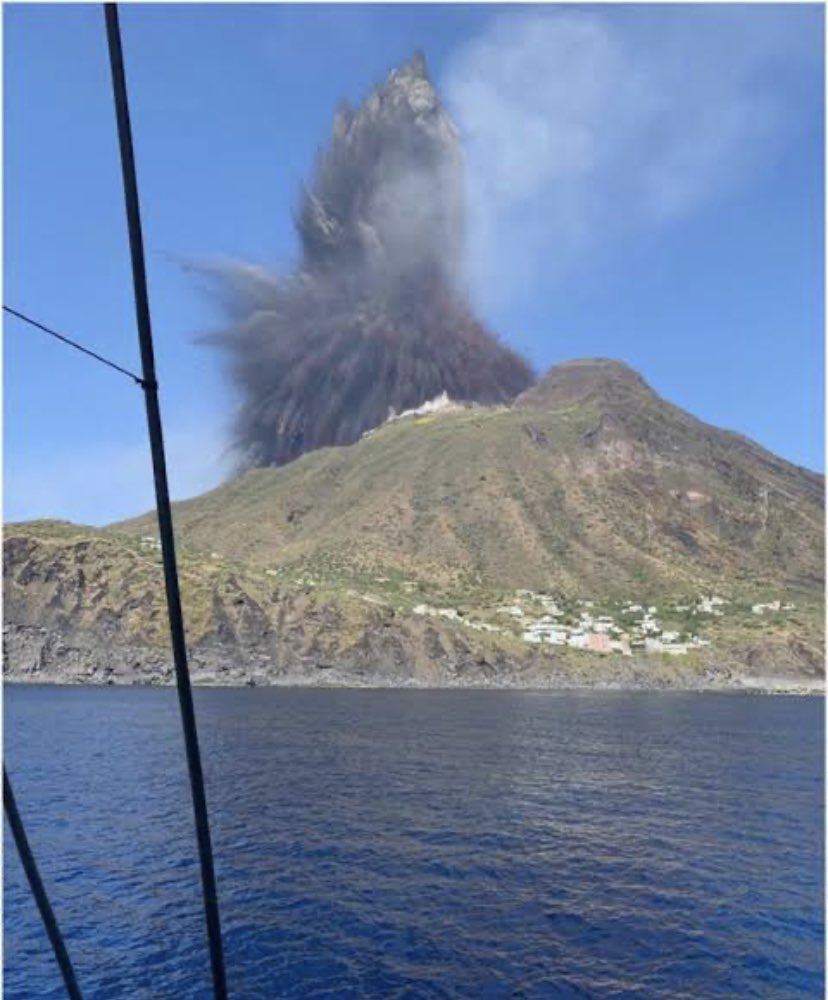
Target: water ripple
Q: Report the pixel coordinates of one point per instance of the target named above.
(424, 844)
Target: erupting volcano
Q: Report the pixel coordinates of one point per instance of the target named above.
(374, 318)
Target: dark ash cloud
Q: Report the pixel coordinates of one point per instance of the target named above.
(374, 317)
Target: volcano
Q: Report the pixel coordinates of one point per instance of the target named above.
(394, 558)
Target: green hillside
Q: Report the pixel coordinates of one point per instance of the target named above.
(597, 487)
(403, 554)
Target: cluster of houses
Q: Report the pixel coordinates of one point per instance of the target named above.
(631, 628)
(635, 629)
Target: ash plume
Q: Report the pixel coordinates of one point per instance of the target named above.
(373, 319)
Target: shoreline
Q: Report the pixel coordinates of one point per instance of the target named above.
(790, 687)
(35, 655)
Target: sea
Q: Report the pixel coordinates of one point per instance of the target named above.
(422, 843)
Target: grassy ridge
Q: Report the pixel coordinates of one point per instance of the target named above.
(585, 497)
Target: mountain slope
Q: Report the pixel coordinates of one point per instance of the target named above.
(399, 557)
(589, 482)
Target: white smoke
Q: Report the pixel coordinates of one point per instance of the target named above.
(580, 126)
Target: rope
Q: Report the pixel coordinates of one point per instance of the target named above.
(73, 343)
(38, 891)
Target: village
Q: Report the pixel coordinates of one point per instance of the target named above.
(622, 627)
(627, 628)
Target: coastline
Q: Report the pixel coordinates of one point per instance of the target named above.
(390, 659)
(791, 687)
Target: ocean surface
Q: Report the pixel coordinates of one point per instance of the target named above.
(423, 844)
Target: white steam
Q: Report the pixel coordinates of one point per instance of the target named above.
(578, 126)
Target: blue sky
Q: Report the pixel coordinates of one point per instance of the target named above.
(644, 183)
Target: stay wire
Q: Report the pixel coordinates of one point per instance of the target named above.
(73, 343)
(38, 890)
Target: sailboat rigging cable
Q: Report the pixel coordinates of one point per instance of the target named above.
(73, 343)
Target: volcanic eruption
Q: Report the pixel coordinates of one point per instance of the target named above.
(373, 319)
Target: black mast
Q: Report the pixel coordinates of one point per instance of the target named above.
(162, 498)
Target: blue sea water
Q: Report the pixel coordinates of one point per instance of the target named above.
(419, 844)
